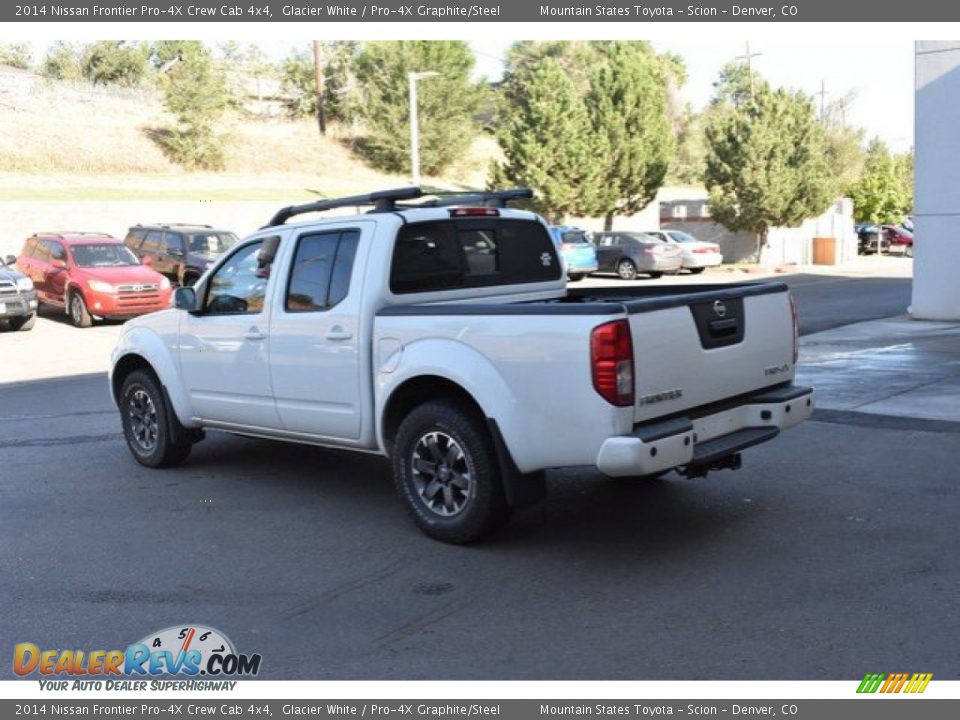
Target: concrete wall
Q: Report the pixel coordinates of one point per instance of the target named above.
(936, 265)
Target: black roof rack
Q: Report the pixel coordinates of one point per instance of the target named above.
(390, 201)
(173, 225)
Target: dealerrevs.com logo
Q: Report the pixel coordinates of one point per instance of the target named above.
(894, 683)
(181, 651)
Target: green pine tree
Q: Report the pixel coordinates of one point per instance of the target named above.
(544, 131)
(884, 193)
(448, 102)
(766, 162)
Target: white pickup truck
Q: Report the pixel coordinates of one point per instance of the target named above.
(441, 333)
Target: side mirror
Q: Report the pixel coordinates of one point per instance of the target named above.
(185, 298)
(268, 251)
(59, 264)
(11, 260)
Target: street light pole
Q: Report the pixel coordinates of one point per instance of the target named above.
(412, 79)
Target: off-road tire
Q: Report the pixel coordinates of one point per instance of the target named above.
(484, 507)
(158, 440)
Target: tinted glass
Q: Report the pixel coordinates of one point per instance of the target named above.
(210, 243)
(480, 250)
(682, 237)
(57, 252)
(152, 241)
(43, 251)
(343, 266)
(103, 255)
(171, 241)
(425, 257)
(30, 247)
(134, 238)
(576, 237)
(310, 275)
(239, 285)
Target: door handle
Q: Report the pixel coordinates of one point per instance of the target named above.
(254, 333)
(338, 333)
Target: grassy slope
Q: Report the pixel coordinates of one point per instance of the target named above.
(63, 142)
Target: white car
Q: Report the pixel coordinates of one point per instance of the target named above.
(442, 335)
(697, 254)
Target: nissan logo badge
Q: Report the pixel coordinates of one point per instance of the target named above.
(719, 308)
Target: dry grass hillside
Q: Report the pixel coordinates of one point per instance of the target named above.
(77, 142)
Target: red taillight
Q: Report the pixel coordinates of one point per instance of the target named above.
(796, 329)
(611, 358)
(474, 212)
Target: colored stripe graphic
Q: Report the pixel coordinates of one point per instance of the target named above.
(894, 683)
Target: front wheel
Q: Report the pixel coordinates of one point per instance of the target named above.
(153, 433)
(626, 270)
(79, 315)
(696, 271)
(25, 322)
(445, 470)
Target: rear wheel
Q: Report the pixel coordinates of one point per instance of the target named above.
(445, 470)
(153, 433)
(79, 315)
(576, 277)
(655, 275)
(25, 322)
(627, 270)
(696, 271)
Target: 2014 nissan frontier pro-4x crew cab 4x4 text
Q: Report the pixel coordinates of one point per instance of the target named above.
(439, 331)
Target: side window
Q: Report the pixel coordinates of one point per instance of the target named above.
(170, 243)
(320, 274)
(152, 242)
(239, 286)
(43, 251)
(425, 257)
(133, 239)
(29, 247)
(57, 252)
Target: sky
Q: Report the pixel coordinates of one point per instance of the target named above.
(878, 72)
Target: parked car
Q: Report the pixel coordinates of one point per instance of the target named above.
(91, 275)
(867, 240)
(180, 252)
(18, 297)
(630, 253)
(697, 255)
(579, 254)
(380, 333)
(898, 238)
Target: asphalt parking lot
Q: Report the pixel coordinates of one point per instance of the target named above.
(828, 555)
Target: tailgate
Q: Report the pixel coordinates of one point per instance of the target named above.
(700, 347)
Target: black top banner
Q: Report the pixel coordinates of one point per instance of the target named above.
(466, 11)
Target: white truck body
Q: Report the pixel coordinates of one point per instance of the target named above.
(710, 367)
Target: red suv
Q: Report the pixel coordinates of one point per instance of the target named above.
(91, 275)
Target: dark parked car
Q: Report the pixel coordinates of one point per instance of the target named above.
(18, 298)
(180, 252)
(629, 253)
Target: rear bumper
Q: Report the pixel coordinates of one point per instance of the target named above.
(699, 261)
(659, 446)
(660, 264)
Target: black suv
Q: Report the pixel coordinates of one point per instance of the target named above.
(18, 298)
(179, 251)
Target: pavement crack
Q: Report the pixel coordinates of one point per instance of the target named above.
(422, 622)
(345, 588)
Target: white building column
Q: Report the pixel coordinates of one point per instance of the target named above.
(936, 265)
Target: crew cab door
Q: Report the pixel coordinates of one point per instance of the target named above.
(224, 346)
(315, 336)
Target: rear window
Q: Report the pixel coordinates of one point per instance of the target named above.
(575, 237)
(451, 254)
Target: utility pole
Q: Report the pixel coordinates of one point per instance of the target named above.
(823, 99)
(318, 73)
(748, 57)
